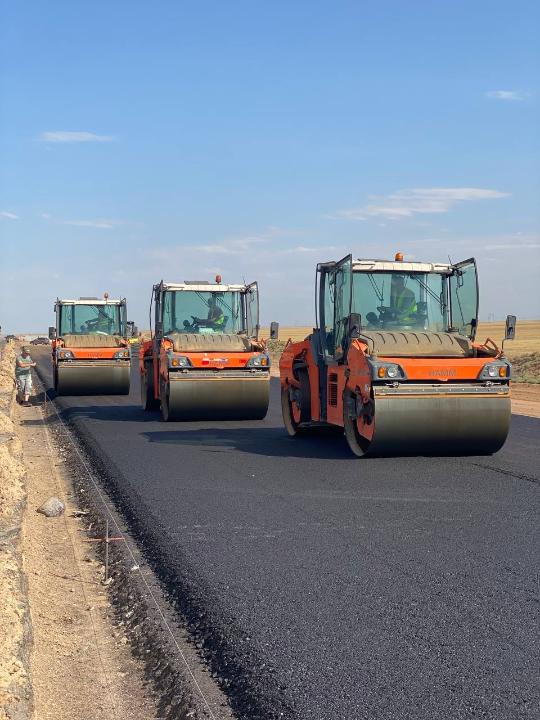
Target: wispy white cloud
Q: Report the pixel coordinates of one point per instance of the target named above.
(244, 244)
(305, 249)
(277, 258)
(509, 246)
(231, 246)
(64, 136)
(475, 244)
(8, 215)
(100, 224)
(517, 241)
(508, 95)
(417, 201)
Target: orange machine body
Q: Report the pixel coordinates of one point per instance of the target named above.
(165, 359)
(356, 374)
(90, 351)
(409, 378)
(213, 366)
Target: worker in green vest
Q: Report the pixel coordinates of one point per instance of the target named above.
(215, 318)
(215, 313)
(402, 300)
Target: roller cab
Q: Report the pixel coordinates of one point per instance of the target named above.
(395, 362)
(205, 360)
(90, 352)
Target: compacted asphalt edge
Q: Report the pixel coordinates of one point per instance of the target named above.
(319, 586)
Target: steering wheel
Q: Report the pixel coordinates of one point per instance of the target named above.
(387, 313)
(202, 323)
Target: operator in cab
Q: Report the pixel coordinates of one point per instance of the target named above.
(402, 301)
(402, 309)
(215, 318)
(100, 325)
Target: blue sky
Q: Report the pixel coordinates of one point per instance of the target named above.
(171, 140)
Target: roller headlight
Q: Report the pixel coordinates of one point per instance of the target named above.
(259, 361)
(121, 354)
(65, 354)
(495, 371)
(387, 371)
(179, 361)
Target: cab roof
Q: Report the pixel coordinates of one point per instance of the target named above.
(201, 286)
(401, 266)
(91, 301)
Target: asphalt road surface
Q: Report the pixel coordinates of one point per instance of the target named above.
(338, 588)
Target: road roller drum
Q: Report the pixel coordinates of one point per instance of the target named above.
(219, 398)
(93, 379)
(433, 424)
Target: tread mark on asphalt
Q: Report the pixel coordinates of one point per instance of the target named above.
(502, 471)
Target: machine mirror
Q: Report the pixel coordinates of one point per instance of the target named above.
(510, 331)
(274, 330)
(52, 333)
(355, 324)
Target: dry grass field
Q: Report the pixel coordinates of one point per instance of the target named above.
(524, 351)
(527, 335)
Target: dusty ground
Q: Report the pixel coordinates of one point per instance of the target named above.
(526, 399)
(81, 666)
(15, 691)
(526, 368)
(61, 655)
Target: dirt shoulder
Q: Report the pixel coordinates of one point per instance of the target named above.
(62, 655)
(81, 665)
(526, 399)
(15, 632)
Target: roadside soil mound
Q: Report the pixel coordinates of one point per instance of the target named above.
(526, 368)
(15, 691)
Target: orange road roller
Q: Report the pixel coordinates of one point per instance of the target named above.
(393, 360)
(204, 359)
(90, 352)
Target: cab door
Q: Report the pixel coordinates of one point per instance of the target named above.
(123, 317)
(334, 306)
(334, 310)
(251, 299)
(464, 297)
(342, 304)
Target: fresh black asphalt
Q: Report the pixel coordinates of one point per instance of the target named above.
(331, 588)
